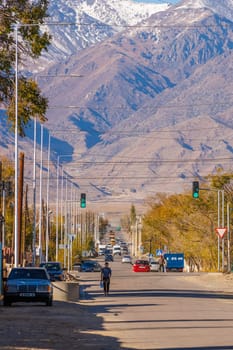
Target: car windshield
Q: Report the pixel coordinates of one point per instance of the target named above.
(142, 262)
(27, 274)
(53, 267)
(89, 263)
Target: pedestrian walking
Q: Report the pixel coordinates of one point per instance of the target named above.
(165, 265)
(161, 265)
(106, 274)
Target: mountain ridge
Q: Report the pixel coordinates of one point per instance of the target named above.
(152, 110)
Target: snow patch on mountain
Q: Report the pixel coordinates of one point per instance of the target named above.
(78, 25)
(115, 11)
(220, 7)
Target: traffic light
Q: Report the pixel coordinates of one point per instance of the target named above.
(195, 189)
(83, 200)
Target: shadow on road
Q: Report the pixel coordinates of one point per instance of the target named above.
(177, 293)
(63, 326)
(230, 347)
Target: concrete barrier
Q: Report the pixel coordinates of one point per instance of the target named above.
(66, 291)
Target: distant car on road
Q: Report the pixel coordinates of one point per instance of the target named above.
(28, 284)
(90, 266)
(126, 259)
(108, 257)
(154, 266)
(116, 249)
(141, 266)
(54, 269)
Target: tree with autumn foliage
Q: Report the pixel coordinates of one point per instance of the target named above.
(184, 224)
(29, 17)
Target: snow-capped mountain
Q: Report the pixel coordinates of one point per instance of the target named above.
(152, 109)
(221, 8)
(76, 25)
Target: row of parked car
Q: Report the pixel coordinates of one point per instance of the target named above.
(138, 266)
(32, 284)
(87, 266)
(35, 283)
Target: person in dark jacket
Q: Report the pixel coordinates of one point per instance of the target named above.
(106, 274)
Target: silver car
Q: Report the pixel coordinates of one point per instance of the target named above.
(126, 259)
(154, 266)
(28, 284)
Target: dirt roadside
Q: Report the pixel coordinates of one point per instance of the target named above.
(213, 281)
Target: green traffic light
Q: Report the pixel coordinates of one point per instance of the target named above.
(195, 189)
(83, 204)
(83, 200)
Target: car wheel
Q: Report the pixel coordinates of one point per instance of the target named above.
(49, 302)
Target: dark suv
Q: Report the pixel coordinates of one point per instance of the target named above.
(54, 270)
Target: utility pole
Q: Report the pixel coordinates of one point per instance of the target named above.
(1, 217)
(20, 206)
(24, 231)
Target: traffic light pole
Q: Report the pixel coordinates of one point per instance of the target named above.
(220, 193)
(220, 222)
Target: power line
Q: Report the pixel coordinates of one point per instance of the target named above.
(134, 132)
(138, 162)
(154, 161)
(154, 108)
(139, 25)
(119, 177)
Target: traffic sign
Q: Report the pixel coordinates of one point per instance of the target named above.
(221, 231)
(159, 252)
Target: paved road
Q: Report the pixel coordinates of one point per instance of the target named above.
(143, 311)
(163, 311)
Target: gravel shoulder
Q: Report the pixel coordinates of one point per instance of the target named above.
(213, 281)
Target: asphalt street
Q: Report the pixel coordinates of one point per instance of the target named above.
(143, 311)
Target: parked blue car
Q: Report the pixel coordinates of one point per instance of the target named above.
(54, 269)
(90, 266)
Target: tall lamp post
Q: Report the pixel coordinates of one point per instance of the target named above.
(139, 233)
(57, 199)
(16, 150)
(229, 209)
(34, 180)
(16, 243)
(47, 200)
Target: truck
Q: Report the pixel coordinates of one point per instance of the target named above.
(175, 261)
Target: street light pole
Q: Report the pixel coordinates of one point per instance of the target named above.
(34, 198)
(40, 203)
(16, 149)
(223, 243)
(57, 200)
(47, 216)
(57, 208)
(228, 239)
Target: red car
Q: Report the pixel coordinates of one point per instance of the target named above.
(141, 266)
